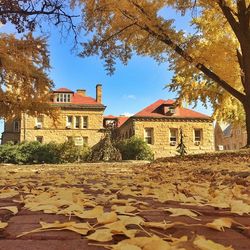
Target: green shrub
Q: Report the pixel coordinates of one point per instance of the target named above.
(28, 152)
(69, 152)
(135, 148)
(35, 152)
(8, 153)
(49, 153)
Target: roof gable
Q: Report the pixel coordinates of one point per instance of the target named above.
(153, 111)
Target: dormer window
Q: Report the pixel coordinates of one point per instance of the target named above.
(63, 97)
(168, 110)
(171, 110)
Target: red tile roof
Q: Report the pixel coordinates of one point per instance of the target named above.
(77, 99)
(121, 119)
(151, 111)
(63, 90)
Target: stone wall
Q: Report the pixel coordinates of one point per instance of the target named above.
(161, 135)
(57, 132)
(235, 140)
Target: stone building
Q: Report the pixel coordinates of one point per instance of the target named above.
(159, 125)
(229, 137)
(80, 119)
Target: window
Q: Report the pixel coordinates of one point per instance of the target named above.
(148, 135)
(70, 138)
(197, 135)
(85, 122)
(77, 122)
(78, 141)
(39, 121)
(173, 134)
(39, 139)
(69, 121)
(16, 126)
(63, 98)
(85, 140)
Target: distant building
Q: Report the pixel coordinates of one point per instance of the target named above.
(228, 137)
(80, 120)
(159, 125)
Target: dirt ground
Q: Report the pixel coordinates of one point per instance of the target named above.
(175, 200)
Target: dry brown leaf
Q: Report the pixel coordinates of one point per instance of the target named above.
(162, 225)
(123, 209)
(8, 193)
(13, 209)
(239, 207)
(81, 228)
(3, 224)
(106, 218)
(203, 244)
(131, 220)
(90, 214)
(145, 243)
(101, 235)
(182, 212)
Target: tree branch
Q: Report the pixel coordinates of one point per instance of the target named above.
(168, 41)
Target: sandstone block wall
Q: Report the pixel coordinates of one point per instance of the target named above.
(161, 135)
(58, 132)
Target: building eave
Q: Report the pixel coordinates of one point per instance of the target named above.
(69, 106)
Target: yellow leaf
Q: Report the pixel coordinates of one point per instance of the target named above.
(219, 224)
(7, 193)
(239, 207)
(161, 225)
(130, 220)
(119, 228)
(123, 209)
(181, 212)
(81, 228)
(90, 214)
(3, 224)
(101, 235)
(146, 243)
(203, 244)
(13, 209)
(106, 218)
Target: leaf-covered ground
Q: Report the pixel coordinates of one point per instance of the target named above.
(191, 203)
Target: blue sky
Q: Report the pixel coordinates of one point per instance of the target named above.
(130, 89)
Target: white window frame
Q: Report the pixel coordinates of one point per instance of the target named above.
(172, 137)
(149, 139)
(18, 126)
(78, 140)
(69, 124)
(200, 137)
(85, 121)
(63, 97)
(78, 117)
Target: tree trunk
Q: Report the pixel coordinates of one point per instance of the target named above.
(247, 113)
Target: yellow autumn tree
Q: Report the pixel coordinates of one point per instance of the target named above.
(24, 83)
(24, 61)
(210, 64)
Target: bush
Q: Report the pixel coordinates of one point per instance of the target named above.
(35, 152)
(28, 152)
(69, 152)
(135, 148)
(8, 153)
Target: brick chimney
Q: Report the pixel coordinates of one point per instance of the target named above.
(99, 93)
(81, 92)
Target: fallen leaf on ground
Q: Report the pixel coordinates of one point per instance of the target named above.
(202, 243)
(3, 224)
(13, 209)
(81, 228)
